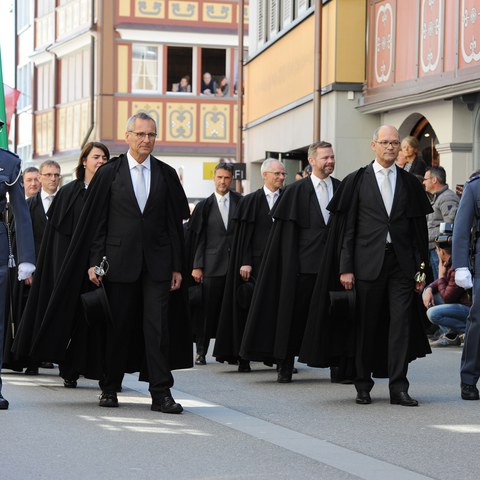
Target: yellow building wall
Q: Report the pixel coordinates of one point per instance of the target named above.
(282, 74)
(350, 51)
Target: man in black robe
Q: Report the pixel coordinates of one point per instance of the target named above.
(384, 244)
(253, 223)
(143, 243)
(210, 230)
(278, 314)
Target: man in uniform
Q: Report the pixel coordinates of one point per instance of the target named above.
(10, 182)
(468, 216)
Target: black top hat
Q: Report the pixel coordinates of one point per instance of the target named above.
(96, 307)
(244, 294)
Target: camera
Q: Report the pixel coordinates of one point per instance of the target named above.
(444, 237)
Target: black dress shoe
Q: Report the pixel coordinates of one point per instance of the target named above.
(244, 366)
(403, 399)
(3, 403)
(47, 365)
(363, 398)
(31, 371)
(469, 392)
(200, 360)
(68, 383)
(108, 399)
(284, 376)
(166, 405)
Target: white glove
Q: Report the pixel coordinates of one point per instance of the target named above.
(463, 278)
(25, 270)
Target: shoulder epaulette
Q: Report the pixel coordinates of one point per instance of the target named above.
(10, 152)
(470, 180)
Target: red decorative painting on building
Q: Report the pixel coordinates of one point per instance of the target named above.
(383, 43)
(431, 34)
(469, 33)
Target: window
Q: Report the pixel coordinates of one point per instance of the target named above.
(179, 65)
(214, 62)
(24, 14)
(24, 85)
(45, 7)
(145, 69)
(45, 86)
(75, 76)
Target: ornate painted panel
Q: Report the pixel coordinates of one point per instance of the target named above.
(181, 122)
(469, 44)
(217, 12)
(384, 44)
(185, 11)
(214, 123)
(431, 36)
(150, 9)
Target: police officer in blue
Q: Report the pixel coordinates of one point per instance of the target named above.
(463, 258)
(11, 183)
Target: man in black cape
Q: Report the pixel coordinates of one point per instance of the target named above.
(278, 314)
(252, 226)
(52, 337)
(210, 232)
(384, 248)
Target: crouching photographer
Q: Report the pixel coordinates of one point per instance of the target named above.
(447, 304)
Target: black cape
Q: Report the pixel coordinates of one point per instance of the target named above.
(328, 343)
(51, 338)
(267, 330)
(233, 315)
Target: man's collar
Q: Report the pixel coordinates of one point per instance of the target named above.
(132, 163)
(218, 196)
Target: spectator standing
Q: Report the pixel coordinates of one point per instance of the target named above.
(31, 181)
(444, 203)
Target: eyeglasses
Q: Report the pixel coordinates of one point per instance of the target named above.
(142, 135)
(51, 175)
(386, 143)
(278, 174)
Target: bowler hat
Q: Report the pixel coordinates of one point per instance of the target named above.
(342, 305)
(95, 306)
(195, 295)
(244, 293)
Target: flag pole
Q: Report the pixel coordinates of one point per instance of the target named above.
(3, 115)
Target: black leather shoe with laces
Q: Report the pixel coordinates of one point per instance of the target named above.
(3, 403)
(108, 399)
(166, 405)
(469, 392)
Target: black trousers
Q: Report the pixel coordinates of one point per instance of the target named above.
(144, 301)
(213, 288)
(390, 295)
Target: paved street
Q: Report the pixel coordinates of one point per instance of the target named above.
(243, 426)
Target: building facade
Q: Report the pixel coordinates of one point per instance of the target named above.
(95, 63)
(410, 63)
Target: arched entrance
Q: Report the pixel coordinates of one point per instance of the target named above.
(419, 127)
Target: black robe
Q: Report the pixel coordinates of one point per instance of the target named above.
(327, 343)
(267, 331)
(56, 325)
(233, 317)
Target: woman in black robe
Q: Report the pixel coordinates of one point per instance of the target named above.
(63, 216)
